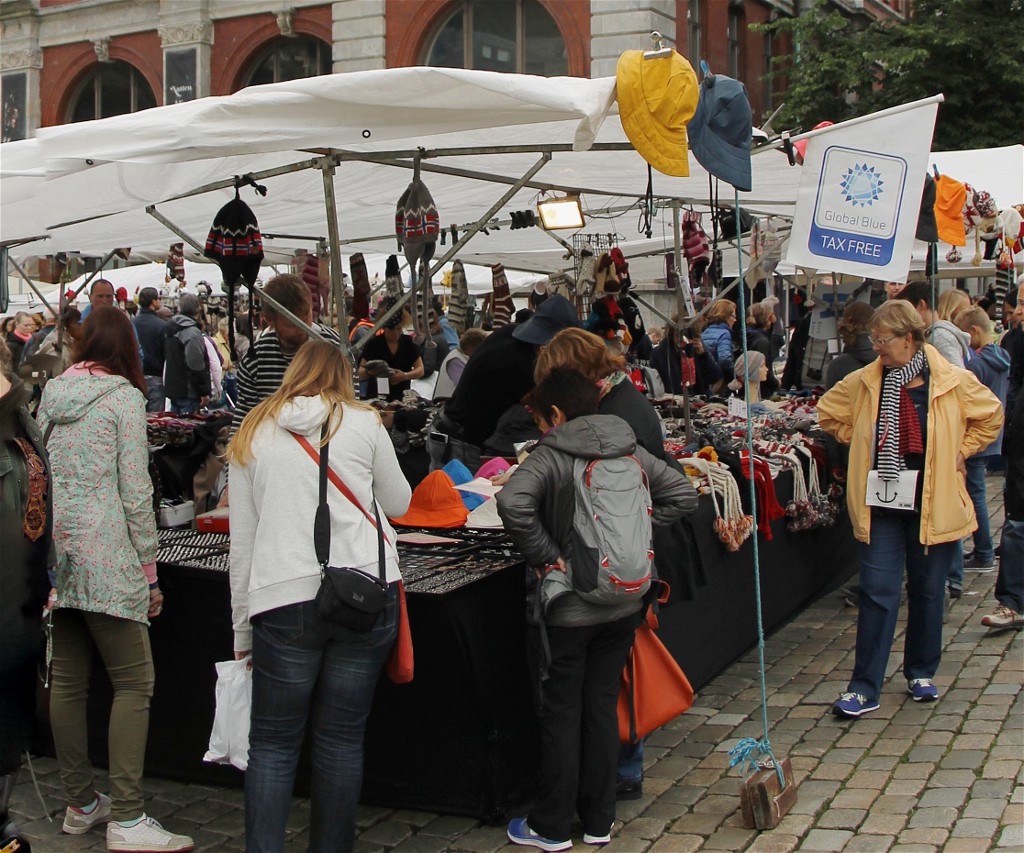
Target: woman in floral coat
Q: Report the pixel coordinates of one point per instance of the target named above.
(105, 537)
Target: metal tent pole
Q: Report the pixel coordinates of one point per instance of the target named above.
(337, 286)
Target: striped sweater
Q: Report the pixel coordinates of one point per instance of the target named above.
(261, 371)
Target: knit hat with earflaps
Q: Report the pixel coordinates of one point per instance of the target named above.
(235, 242)
(458, 304)
(392, 277)
(417, 223)
(360, 287)
(501, 305)
(435, 503)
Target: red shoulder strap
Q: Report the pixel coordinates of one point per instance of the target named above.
(332, 475)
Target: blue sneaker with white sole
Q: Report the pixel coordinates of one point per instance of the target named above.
(922, 689)
(854, 705)
(519, 832)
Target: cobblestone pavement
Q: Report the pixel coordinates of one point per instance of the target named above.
(938, 777)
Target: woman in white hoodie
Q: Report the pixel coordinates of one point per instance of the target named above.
(303, 666)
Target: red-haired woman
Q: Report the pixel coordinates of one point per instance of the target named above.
(105, 537)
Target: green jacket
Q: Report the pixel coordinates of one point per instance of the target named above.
(104, 526)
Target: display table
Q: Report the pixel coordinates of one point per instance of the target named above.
(461, 738)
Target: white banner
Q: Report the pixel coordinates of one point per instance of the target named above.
(860, 194)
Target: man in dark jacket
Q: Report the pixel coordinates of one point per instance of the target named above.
(187, 364)
(150, 330)
(1010, 581)
(588, 642)
(496, 378)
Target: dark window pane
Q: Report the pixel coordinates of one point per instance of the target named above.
(448, 50)
(115, 92)
(291, 59)
(144, 98)
(494, 35)
(85, 107)
(544, 48)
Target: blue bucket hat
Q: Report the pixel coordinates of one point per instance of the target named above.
(721, 129)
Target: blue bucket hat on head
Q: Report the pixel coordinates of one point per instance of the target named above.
(548, 320)
(721, 129)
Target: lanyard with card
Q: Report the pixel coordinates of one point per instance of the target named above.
(892, 494)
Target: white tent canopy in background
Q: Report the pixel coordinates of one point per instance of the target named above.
(114, 168)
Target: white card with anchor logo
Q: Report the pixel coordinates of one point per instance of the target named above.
(892, 494)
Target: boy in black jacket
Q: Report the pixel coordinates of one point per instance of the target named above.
(588, 642)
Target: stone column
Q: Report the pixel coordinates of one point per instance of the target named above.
(358, 35)
(186, 34)
(20, 61)
(620, 25)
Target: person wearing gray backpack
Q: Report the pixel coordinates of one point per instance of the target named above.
(580, 509)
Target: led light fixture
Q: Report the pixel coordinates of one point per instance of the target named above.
(557, 213)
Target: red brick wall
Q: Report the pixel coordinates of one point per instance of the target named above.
(237, 42)
(408, 25)
(65, 65)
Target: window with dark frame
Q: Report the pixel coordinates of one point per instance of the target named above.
(290, 58)
(111, 89)
(693, 31)
(499, 35)
(735, 27)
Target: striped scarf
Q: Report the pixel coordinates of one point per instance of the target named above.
(890, 461)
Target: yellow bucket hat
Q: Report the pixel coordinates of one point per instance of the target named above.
(657, 97)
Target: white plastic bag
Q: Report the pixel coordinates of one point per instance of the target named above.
(229, 740)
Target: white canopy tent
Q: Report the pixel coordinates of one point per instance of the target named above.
(87, 187)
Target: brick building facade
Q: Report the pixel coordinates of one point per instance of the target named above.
(71, 60)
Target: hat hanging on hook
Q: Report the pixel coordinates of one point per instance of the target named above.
(417, 223)
(721, 129)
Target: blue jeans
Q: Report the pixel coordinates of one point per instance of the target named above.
(154, 394)
(305, 668)
(895, 542)
(983, 548)
(1010, 581)
(184, 405)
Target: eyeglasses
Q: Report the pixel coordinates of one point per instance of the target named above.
(881, 342)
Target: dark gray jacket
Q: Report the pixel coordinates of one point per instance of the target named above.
(187, 365)
(537, 504)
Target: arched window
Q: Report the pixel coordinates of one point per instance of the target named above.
(734, 34)
(499, 35)
(112, 89)
(290, 59)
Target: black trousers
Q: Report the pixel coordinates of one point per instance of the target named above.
(579, 725)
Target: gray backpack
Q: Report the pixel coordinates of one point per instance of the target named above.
(612, 560)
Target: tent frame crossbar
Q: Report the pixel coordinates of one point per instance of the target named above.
(475, 228)
(32, 284)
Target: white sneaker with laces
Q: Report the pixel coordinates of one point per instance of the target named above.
(146, 836)
(78, 822)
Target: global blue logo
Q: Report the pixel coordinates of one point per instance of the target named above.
(862, 185)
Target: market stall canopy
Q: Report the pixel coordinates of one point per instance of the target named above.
(86, 186)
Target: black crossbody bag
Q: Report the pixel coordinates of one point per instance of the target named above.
(347, 596)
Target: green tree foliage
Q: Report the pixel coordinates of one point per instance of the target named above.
(972, 51)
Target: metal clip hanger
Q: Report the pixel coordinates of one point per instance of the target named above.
(660, 51)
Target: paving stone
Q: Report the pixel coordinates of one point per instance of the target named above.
(933, 818)
(449, 826)
(683, 794)
(772, 842)
(836, 818)
(924, 835)
(877, 823)
(983, 807)
(968, 759)
(873, 779)
(856, 798)
(1011, 837)
(887, 763)
(838, 772)
(826, 840)
(630, 844)
(1001, 769)
(677, 844)
(644, 827)
(388, 832)
(421, 843)
(975, 827)
(481, 840)
(703, 823)
(905, 786)
(869, 844)
(926, 754)
(953, 778)
(717, 805)
(954, 797)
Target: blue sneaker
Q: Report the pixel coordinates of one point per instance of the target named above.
(922, 690)
(854, 705)
(519, 832)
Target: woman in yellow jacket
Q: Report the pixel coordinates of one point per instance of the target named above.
(911, 419)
